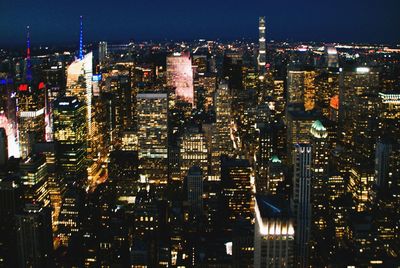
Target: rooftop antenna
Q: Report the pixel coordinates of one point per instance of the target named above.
(28, 55)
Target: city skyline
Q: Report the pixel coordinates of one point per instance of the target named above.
(366, 22)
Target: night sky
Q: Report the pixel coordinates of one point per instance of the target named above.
(57, 21)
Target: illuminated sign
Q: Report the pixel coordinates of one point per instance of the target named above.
(23, 87)
(362, 70)
(41, 85)
(32, 113)
(96, 78)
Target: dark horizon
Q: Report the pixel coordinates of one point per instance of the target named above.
(58, 23)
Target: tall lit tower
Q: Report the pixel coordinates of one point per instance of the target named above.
(301, 202)
(262, 47)
(81, 39)
(28, 55)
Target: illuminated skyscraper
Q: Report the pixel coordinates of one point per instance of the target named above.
(103, 52)
(31, 120)
(262, 47)
(180, 76)
(301, 87)
(273, 233)
(223, 120)
(301, 202)
(331, 56)
(34, 176)
(235, 177)
(193, 151)
(153, 136)
(70, 134)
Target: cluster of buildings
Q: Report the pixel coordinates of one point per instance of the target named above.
(200, 154)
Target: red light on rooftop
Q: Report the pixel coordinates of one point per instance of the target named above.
(23, 87)
(41, 85)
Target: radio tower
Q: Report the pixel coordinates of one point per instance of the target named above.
(28, 55)
(81, 39)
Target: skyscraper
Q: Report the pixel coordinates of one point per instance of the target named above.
(223, 120)
(180, 76)
(70, 134)
(34, 237)
(262, 47)
(103, 52)
(301, 202)
(273, 232)
(153, 136)
(194, 181)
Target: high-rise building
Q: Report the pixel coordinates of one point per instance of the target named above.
(274, 232)
(180, 76)
(153, 136)
(103, 52)
(235, 178)
(331, 56)
(262, 47)
(301, 201)
(193, 151)
(31, 116)
(70, 135)
(223, 120)
(34, 237)
(301, 87)
(34, 177)
(194, 184)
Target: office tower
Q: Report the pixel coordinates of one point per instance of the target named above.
(279, 96)
(262, 47)
(223, 120)
(123, 174)
(382, 153)
(319, 142)
(103, 52)
(275, 175)
(301, 87)
(79, 84)
(298, 129)
(194, 181)
(273, 232)
(361, 184)
(301, 201)
(200, 64)
(34, 237)
(388, 113)
(3, 147)
(232, 70)
(262, 155)
(208, 83)
(55, 183)
(70, 219)
(34, 177)
(237, 189)
(180, 76)
(122, 96)
(327, 91)
(193, 151)
(31, 119)
(70, 136)
(331, 56)
(355, 87)
(153, 136)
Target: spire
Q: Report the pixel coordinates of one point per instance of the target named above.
(28, 55)
(81, 39)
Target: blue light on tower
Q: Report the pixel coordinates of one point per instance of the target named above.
(81, 40)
